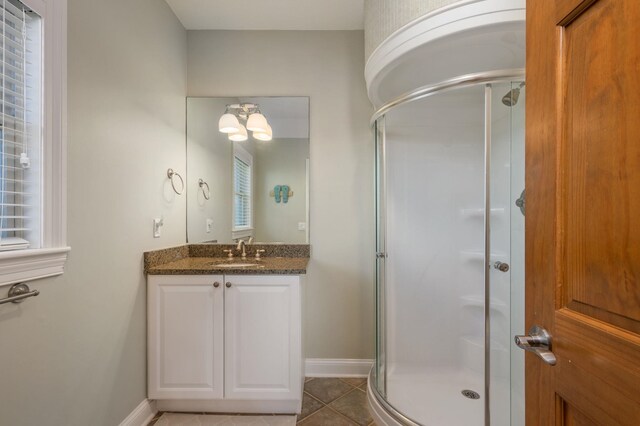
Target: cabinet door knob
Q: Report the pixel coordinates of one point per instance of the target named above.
(228, 285)
(216, 284)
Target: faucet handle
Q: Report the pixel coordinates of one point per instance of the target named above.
(258, 253)
(229, 253)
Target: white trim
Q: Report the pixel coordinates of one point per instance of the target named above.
(324, 367)
(244, 156)
(142, 414)
(248, 406)
(28, 265)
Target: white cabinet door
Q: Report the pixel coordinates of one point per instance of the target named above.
(263, 358)
(185, 336)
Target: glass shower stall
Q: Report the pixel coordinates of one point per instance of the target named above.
(450, 253)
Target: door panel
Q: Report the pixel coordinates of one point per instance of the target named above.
(262, 340)
(602, 145)
(185, 337)
(583, 199)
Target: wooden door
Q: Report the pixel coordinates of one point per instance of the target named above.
(583, 210)
(263, 351)
(185, 334)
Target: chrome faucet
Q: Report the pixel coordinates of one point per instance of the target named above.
(242, 245)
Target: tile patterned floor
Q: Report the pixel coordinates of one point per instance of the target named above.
(335, 402)
(191, 419)
(326, 402)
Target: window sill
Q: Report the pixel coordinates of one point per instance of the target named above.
(27, 265)
(241, 233)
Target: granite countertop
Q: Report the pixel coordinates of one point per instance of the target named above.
(203, 259)
(209, 265)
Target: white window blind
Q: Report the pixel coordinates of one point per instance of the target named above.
(20, 127)
(242, 171)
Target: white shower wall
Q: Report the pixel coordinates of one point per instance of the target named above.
(435, 242)
(435, 265)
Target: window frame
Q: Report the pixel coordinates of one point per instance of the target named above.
(49, 260)
(242, 154)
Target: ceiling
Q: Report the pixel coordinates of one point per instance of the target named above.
(288, 116)
(269, 14)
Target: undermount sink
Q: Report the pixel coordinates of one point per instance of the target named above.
(233, 265)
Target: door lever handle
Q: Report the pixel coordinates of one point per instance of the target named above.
(537, 341)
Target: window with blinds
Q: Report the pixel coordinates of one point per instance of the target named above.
(242, 203)
(20, 127)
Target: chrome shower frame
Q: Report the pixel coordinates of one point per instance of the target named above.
(469, 80)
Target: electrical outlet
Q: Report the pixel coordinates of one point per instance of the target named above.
(157, 226)
(209, 225)
(302, 226)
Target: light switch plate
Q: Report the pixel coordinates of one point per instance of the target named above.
(157, 226)
(209, 225)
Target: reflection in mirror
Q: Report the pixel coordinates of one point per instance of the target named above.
(248, 183)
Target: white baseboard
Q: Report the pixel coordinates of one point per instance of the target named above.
(142, 414)
(322, 367)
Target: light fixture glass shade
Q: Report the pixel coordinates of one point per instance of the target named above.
(240, 135)
(264, 136)
(229, 124)
(257, 123)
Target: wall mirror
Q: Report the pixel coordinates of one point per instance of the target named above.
(248, 169)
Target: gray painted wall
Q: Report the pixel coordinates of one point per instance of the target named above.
(76, 354)
(280, 162)
(327, 66)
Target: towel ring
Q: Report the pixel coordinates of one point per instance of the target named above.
(170, 175)
(207, 193)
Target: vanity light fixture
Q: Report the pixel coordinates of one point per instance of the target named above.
(264, 136)
(256, 122)
(240, 135)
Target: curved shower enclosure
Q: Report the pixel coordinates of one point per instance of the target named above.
(450, 254)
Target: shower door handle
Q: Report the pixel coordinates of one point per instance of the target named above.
(539, 342)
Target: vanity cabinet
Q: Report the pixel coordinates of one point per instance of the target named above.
(225, 342)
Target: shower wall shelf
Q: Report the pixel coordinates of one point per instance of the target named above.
(479, 212)
(478, 256)
(478, 302)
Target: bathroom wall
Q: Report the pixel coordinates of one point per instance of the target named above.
(382, 17)
(75, 355)
(280, 162)
(327, 66)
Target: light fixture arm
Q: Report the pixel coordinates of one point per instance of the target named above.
(254, 121)
(243, 110)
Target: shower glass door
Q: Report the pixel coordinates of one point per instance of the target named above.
(448, 166)
(433, 287)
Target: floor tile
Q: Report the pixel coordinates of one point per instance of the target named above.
(354, 406)
(281, 420)
(181, 419)
(326, 390)
(355, 381)
(326, 417)
(309, 406)
(214, 419)
(178, 419)
(260, 420)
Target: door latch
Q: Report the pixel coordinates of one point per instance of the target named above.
(537, 341)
